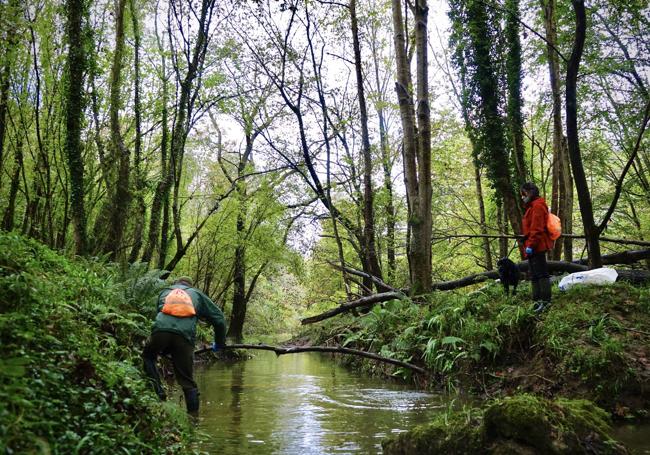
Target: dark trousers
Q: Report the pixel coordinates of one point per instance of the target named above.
(538, 266)
(182, 353)
(539, 277)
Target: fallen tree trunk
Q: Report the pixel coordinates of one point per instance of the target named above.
(377, 281)
(624, 257)
(362, 302)
(521, 237)
(627, 257)
(280, 350)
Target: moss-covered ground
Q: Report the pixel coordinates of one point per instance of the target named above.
(71, 333)
(524, 424)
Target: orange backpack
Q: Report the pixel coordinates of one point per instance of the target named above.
(553, 226)
(178, 303)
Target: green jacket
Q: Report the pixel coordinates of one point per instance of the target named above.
(205, 309)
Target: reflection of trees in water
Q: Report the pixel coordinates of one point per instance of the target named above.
(236, 390)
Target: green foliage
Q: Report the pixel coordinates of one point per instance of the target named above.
(583, 336)
(70, 380)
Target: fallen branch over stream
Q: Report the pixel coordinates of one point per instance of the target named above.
(280, 350)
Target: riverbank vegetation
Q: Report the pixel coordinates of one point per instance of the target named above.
(297, 157)
(70, 342)
(590, 343)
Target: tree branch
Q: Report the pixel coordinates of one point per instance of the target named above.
(363, 301)
(280, 350)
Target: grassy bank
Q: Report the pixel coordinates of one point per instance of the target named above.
(70, 376)
(593, 342)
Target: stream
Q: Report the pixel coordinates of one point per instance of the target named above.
(303, 404)
(307, 404)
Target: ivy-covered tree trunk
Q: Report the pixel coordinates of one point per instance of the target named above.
(582, 187)
(140, 208)
(416, 144)
(473, 35)
(10, 210)
(121, 198)
(11, 13)
(513, 79)
(75, 11)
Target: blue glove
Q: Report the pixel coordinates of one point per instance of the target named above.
(215, 347)
(529, 251)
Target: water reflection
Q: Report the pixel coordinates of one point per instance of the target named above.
(303, 404)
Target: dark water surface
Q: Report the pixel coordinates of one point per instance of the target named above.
(303, 404)
(307, 404)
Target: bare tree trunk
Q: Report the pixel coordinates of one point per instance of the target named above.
(161, 195)
(562, 186)
(582, 186)
(481, 210)
(184, 112)
(417, 145)
(239, 301)
(370, 250)
(386, 161)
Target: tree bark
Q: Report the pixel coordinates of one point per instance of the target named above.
(74, 114)
(562, 185)
(161, 195)
(365, 301)
(184, 111)
(582, 186)
(513, 78)
(370, 250)
(487, 251)
(10, 210)
(416, 144)
(121, 197)
(140, 208)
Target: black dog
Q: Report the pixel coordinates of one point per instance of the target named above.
(508, 274)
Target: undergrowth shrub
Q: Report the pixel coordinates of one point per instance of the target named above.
(70, 340)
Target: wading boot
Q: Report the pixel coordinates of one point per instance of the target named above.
(152, 372)
(536, 291)
(192, 401)
(544, 295)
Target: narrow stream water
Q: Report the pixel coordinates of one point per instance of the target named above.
(307, 404)
(303, 404)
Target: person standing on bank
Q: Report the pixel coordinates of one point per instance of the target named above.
(536, 243)
(174, 332)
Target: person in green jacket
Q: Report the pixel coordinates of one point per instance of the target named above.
(174, 332)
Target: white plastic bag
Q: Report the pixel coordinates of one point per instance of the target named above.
(603, 275)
